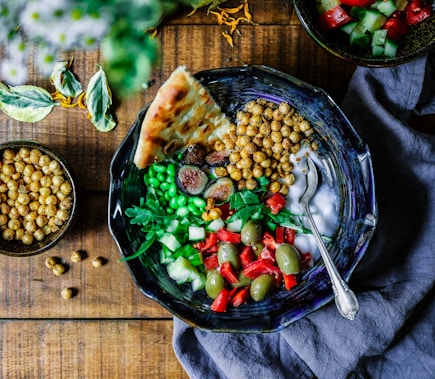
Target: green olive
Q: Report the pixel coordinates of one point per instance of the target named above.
(257, 248)
(243, 281)
(288, 259)
(228, 252)
(214, 284)
(262, 287)
(251, 232)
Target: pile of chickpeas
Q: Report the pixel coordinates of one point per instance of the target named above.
(35, 196)
(261, 142)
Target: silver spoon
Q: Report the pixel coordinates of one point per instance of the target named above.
(345, 299)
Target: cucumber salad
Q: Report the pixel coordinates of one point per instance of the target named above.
(226, 217)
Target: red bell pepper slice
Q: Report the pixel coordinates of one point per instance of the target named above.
(228, 273)
(211, 262)
(240, 297)
(306, 260)
(220, 304)
(289, 235)
(357, 3)
(247, 256)
(279, 234)
(276, 202)
(416, 12)
(333, 18)
(227, 236)
(290, 281)
(210, 241)
(260, 267)
(268, 254)
(269, 241)
(225, 209)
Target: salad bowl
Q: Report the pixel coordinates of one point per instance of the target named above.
(347, 166)
(417, 41)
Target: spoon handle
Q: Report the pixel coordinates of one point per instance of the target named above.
(345, 299)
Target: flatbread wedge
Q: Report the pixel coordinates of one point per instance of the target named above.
(182, 113)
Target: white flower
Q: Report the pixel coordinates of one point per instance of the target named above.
(17, 49)
(13, 73)
(45, 59)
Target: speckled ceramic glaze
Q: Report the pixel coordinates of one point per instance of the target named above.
(18, 249)
(419, 40)
(347, 162)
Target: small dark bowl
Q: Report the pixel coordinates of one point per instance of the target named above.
(419, 40)
(349, 164)
(18, 249)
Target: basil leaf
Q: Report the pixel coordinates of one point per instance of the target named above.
(25, 103)
(98, 101)
(64, 80)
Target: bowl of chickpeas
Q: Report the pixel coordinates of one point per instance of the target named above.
(38, 198)
(163, 225)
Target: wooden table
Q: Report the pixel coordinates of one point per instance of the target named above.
(109, 329)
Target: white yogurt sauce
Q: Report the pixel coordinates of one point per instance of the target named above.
(324, 204)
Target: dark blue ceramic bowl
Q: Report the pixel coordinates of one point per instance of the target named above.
(350, 169)
(419, 40)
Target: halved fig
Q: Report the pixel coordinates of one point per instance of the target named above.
(194, 155)
(218, 158)
(191, 179)
(220, 190)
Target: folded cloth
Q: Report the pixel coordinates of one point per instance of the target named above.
(393, 335)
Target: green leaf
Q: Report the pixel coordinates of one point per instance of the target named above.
(98, 101)
(64, 80)
(25, 103)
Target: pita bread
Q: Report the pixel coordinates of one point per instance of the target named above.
(182, 113)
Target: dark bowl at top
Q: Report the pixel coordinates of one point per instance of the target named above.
(349, 166)
(419, 40)
(15, 247)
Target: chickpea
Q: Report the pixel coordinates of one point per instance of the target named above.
(220, 171)
(259, 156)
(3, 220)
(98, 262)
(267, 142)
(289, 179)
(76, 256)
(39, 234)
(8, 234)
(251, 184)
(265, 129)
(284, 190)
(284, 108)
(256, 120)
(242, 117)
(218, 146)
(268, 113)
(51, 262)
(236, 174)
(275, 186)
(67, 293)
(66, 188)
(59, 269)
(257, 171)
(241, 185)
(234, 156)
(215, 213)
(247, 173)
(206, 216)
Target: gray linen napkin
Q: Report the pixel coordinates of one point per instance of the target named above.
(393, 335)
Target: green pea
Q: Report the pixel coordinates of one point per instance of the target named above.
(172, 190)
(182, 212)
(169, 210)
(199, 202)
(159, 193)
(170, 179)
(164, 186)
(159, 168)
(170, 170)
(151, 172)
(154, 182)
(163, 202)
(182, 200)
(173, 203)
(161, 177)
(167, 196)
(192, 208)
(262, 287)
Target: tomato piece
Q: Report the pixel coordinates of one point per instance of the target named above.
(220, 304)
(227, 236)
(240, 297)
(211, 262)
(357, 3)
(247, 256)
(333, 18)
(290, 280)
(289, 235)
(306, 260)
(416, 12)
(225, 209)
(228, 273)
(276, 202)
(396, 28)
(259, 267)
